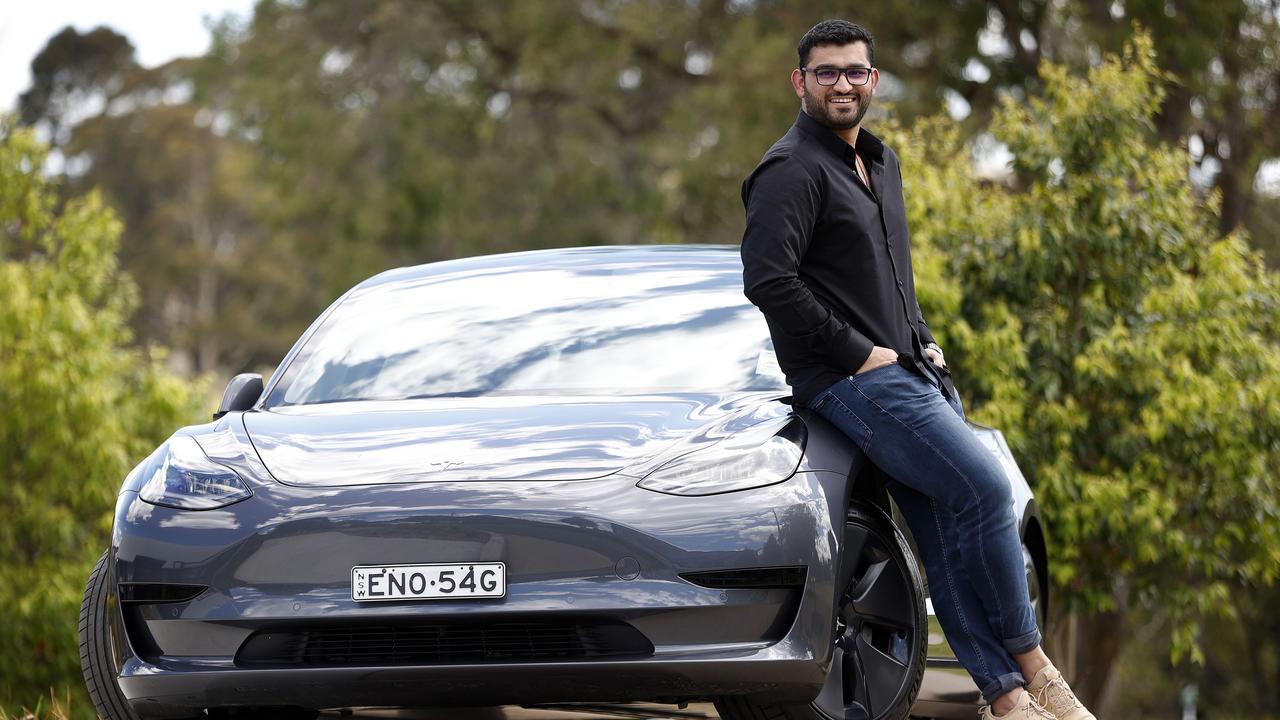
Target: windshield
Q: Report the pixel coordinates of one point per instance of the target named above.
(591, 326)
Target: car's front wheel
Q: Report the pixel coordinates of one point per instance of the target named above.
(880, 640)
(95, 648)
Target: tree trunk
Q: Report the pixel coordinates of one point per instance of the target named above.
(1235, 181)
(1235, 191)
(1085, 647)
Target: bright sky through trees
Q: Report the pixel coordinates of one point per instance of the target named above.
(160, 29)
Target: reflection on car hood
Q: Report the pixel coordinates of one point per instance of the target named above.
(496, 438)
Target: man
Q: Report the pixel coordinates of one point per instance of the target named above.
(826, 258)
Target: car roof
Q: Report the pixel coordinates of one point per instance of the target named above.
(643, 256)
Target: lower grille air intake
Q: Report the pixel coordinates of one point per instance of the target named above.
(767, 577)
(156, 593)
(418, 643)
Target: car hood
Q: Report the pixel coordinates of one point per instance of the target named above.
(496, 438)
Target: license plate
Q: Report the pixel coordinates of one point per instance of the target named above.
(430, 580)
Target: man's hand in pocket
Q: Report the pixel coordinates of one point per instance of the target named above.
(879, 356)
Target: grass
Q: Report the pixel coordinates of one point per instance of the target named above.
(56, 709)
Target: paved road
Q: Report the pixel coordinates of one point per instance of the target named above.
(638, 711)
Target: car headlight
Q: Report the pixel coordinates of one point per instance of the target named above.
(187, 479)
(756, 457)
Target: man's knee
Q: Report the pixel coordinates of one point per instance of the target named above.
(989, 486)
(994, 490)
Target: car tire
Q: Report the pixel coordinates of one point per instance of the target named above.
(881, 622)
(1034, 590)
(95, 648)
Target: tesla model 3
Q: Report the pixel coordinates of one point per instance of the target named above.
(542, 477)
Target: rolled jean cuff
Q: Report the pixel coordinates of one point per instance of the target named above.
(1024, 643)
(1002, 685)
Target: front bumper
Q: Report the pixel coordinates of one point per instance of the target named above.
(597, 549)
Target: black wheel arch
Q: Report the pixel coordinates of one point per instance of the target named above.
(1033, 536)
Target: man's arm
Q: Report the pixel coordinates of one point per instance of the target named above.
(926, 336)
(782, 203)
(931, 347)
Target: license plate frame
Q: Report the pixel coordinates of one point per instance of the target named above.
(373, 583)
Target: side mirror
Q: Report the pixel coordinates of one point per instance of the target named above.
(242, 392)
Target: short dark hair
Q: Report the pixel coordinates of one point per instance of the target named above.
(835, 32)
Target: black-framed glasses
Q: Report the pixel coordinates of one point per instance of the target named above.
(831, 75)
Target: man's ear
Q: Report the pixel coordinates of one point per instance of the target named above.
(797, 82)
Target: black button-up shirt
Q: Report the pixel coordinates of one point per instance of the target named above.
(827, 259)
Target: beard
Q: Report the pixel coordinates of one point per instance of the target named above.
(819, 109)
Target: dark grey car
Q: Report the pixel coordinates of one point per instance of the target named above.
(541, 477)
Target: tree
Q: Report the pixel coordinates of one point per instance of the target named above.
(1221, 94)
(451, 128)
(184, 191)
(1222, 91)
(1130, 358)
(81, 407)
(74, 73)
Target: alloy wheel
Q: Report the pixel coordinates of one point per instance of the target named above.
(878, 654)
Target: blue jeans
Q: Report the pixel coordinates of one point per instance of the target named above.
(958, 504)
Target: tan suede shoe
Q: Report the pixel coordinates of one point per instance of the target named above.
(1024, 709)
(1052, 692)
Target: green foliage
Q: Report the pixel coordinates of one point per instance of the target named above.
(80, 408)
(1130, 358)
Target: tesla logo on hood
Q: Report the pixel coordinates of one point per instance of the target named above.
(442, 465)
